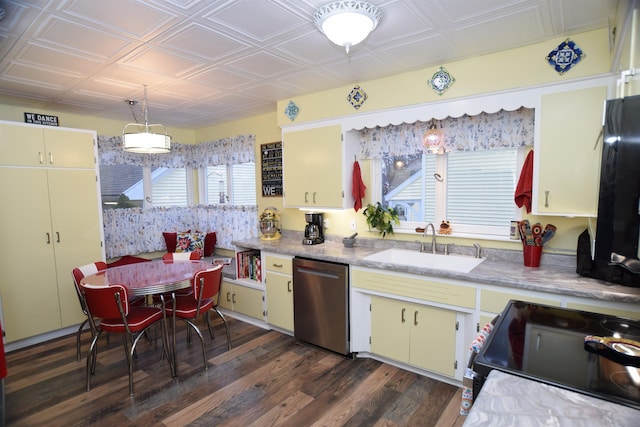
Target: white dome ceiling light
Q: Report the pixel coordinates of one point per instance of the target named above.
(347, 23)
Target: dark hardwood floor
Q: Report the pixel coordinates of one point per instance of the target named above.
(267, 379)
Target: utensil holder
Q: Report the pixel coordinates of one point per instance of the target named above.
(532, 255)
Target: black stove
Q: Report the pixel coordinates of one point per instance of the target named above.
(547, 344)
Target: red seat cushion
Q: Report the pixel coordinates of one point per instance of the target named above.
(187, 306)
(138, 319)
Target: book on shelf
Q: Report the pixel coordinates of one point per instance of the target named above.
(249, 265)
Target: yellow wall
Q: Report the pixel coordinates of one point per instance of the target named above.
(508, 70)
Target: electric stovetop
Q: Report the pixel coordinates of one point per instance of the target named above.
(547, 344)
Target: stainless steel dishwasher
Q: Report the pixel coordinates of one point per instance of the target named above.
(321, 303)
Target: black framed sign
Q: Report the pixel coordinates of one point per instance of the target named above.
(40, 119)
(271, 156)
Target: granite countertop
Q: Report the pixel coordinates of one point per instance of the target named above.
(556, 273)
(509, 400)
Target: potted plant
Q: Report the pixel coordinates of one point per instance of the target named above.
(381, 218)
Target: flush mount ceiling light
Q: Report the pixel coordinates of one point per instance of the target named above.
(347, 23)
(139, 138)
(433, 139)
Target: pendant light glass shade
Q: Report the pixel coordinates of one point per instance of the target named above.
(140, 138)
(433, 139)
(347, 23)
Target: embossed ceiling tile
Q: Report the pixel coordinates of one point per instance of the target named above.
(30, 90)
(438, 48)
(268, 91)
(241, 16)
(462, 10)
(308, 81)
(220, 78)
(108, 89)
(571, 17)
(188, 89)
(524, 26)
(51, 57)
(121, 15)
(38, 76)
(358, 68)
(312, 48)
(405, 15)
(81, 38)
(159, 61)
(132, 78)
(204, 42)
(264, 65)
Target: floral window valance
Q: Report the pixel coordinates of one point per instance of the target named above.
(485, 131)
(225, 151)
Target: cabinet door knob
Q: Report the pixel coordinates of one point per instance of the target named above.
(57, 237)
(228, 296)
(233, 298)
(546, 198)
(288, 285)
(48, 238)
(50, 158)
(415, 317)
(402, 316)
(306, 197)
(314, 197)
(40, 156)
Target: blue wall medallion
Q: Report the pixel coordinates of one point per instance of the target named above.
(441, 81)
(292, 110)
(356, 97)
(565, 56)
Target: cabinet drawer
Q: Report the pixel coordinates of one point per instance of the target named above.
(278, 264)
(414, 287)
(495, 302)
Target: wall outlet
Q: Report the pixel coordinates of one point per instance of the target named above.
(354, 225)
(325, 224)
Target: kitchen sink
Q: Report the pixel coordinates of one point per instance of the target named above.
(457, 263)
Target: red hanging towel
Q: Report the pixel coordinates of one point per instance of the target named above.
(524, 188)
(358, 188)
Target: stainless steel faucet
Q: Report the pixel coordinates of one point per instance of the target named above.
(433, 240)
(478, 249)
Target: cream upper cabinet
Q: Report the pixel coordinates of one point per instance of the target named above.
(22, 145)
(316, 167)
(51, 215)
(567, 163)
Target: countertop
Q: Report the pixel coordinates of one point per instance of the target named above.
(509, 400)
(504, 268)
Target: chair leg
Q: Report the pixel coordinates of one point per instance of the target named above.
(92, 354)
(80, 329)
(226, 327)
(207, 319)
(197, 331)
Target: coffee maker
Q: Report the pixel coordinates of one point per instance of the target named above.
(313, 231)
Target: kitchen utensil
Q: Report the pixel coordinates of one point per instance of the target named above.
(352, 236)
(527, 233)
(548, 233)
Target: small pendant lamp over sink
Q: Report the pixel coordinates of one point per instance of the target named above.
(140, 138)
(433, 139)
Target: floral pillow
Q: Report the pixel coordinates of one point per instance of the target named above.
(190, 242)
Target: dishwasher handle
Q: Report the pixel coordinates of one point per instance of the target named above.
(321, 273)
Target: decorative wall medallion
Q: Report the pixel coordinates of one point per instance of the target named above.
(292, 110)
(441, 81)
(565, 56)
(356, 97)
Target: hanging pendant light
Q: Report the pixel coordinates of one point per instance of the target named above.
(139, 138)
(433, 139)
(347, 23)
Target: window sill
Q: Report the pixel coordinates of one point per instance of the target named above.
(473, 236)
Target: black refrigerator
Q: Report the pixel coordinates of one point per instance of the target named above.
(615, 258)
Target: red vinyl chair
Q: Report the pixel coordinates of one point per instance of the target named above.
(78, 274)
(205, 296)
(109, 311)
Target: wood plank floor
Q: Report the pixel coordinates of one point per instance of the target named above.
(267, 379)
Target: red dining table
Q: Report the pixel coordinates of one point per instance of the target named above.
(148, 278)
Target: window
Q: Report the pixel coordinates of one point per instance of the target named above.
(234, 185)
(472, 189)
(125, 186)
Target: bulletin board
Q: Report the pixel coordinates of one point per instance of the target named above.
(271, 161)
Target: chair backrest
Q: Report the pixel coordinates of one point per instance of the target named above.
(181, 256)
(206, 284)
(102, 301)
(81, 272)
